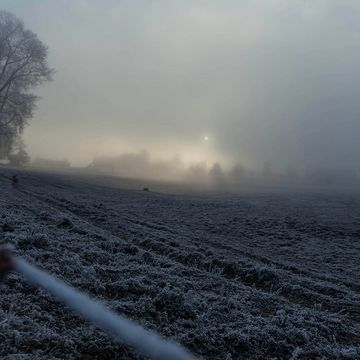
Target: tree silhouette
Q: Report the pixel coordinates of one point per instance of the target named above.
(23, 65)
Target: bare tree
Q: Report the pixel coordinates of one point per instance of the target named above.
(23, 65)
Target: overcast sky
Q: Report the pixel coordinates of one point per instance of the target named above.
(265, 80)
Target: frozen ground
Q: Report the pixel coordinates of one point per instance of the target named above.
(230, 277)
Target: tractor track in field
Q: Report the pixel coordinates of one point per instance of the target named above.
(303, 296)
(208, 272)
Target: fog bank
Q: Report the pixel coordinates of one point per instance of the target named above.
(266, 81)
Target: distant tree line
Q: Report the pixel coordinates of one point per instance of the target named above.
(141, 165)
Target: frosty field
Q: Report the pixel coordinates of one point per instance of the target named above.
(251, 276)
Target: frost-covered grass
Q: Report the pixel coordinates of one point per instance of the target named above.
(229, 277)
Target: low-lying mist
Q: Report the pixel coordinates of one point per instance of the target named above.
(215, 175)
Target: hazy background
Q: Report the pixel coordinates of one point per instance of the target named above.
(269, 82)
